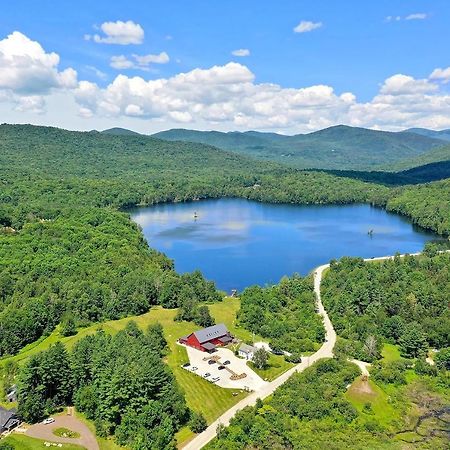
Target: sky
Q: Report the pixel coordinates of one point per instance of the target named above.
(289, 66)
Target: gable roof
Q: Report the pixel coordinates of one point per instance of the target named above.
(247, 348)
(214, 332)
(6, 415)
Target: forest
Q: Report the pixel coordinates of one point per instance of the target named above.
(120, 382)
(68, 251)
(401, 301)
(284, 314)
(70, 256)
(318, 409)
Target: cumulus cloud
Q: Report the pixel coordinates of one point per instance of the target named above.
(241, 52)
(441, 74)
(119, 32)
(306, 26)
(27, 72)
(224, 97)
(227, 97)
(141, 62)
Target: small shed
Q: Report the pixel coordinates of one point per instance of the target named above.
(247, 351)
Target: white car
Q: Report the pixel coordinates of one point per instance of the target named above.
(193, 369)
(48, 420)
(215, 379)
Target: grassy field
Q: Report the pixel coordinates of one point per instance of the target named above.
(201, 395)
(362, 392)
(276, 365)
(22, 442)
(390, 352)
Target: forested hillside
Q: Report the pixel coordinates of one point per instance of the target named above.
(67, 251)
(339, 147)
(325, 407)
(402, 301)
(120, 382)
(284, 314)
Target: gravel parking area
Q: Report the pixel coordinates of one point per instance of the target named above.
(43, 431)
(252, 381)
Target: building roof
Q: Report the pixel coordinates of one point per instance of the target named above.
(214, 332)
(245, 348)
(6, 415)
(208, 346)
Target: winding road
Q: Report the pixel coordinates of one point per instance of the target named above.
(326, 351)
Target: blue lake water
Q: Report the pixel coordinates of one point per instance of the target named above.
(237, 243)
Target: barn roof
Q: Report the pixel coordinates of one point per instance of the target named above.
(214, 332)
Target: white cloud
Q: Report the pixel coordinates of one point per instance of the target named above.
(227, 97)
(241, 52)
(121, 62)
(119, 32)
(400, 84)
(220, 97)
(141, 62)
(27, 72)
(416, 16)
(441, 74)
(305, 26)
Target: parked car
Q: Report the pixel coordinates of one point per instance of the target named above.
(226, 363)
(215, 379)
(207, 374)
(221, 367)
(186, 365)
(211, 361)
(194, 369)
(48, 420)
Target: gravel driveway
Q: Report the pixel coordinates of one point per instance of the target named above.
(86, 439)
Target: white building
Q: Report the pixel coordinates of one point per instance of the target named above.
(247, 351)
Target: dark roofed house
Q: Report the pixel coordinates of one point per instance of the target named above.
(8, 419)
(209, 338)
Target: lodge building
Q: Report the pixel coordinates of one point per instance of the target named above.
(209, 338)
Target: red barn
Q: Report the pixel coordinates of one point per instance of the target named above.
(209, 338)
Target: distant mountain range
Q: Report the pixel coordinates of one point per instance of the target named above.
(340, 147)
(443, 134)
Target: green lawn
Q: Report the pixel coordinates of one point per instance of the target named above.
(390, 352)
(22, 442)
(276, 366)
(382, 409)
(201, 395)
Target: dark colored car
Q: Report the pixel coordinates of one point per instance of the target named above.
(211, 361)
(221, 367)
(186, 365)
(226, 363)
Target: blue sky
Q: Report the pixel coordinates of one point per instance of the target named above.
(354, 47)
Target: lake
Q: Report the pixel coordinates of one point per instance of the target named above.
(237, 243)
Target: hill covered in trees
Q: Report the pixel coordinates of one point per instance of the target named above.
(442, 134)
(339, 147)
(67, 248)
(402, 301)
(120, 382)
